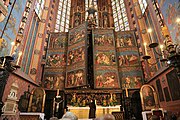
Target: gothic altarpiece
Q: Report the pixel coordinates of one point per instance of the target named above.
(91, 62)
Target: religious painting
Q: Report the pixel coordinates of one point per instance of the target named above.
(105, 58)
(77, 34)
(106, 79)
(131, 82)
(125, 39)
(37, 100)
(128, 60)
(75, 78)
(56, 60)
(76, 55)
(103, 39)
(58, 40)
(149, 98)
(54, 81)
(171, 12)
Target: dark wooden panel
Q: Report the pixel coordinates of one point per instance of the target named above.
(159, 88)
(166, 92)
(174, 85)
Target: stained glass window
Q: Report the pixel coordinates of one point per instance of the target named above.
(39, 5)
(62, 19)
(120, 15)
(143, 5)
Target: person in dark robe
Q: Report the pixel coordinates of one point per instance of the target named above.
(92, 111)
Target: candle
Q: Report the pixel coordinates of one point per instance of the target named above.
(19, 58)
(12, 44)
(150, 31)
(162, 51)
(53, 106)
(3, 62)
(145, 49)
(57, 92)
(126, 92)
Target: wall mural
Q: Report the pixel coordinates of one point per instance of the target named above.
(171, 11)
(128, 60)
(105, 60)
(12, 26)
(56, 60)
(54, 81)
(76, 57)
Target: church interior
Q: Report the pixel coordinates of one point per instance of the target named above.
(56, 56)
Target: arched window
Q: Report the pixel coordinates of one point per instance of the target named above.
(120, 15)
(63, 16)
(39, 6)
(143, 5)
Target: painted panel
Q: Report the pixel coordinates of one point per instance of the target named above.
(56, 54)
(76, 57)
(58, 40)
(54, 81)
(171, 11)
(105, 60)
(12, 26)
(54, 72)
(128, 60)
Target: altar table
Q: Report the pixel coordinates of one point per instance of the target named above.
(83, 112)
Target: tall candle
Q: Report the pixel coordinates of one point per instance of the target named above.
(19, 56)
(3, 62)
(149, 32)
(145, 48)
(12, 45)
(57, 92)
(126, 92)
(162, 51)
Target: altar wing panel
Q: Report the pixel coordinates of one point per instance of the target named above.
(54, 70)
(77, 57)
(105, 59)
(130, 70)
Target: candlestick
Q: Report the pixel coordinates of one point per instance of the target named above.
(145, 49)
(12, 44)
(19, 58)
(162, 51)
(126, 92)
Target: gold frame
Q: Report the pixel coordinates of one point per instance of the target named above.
(156, 104)
(31, 99)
